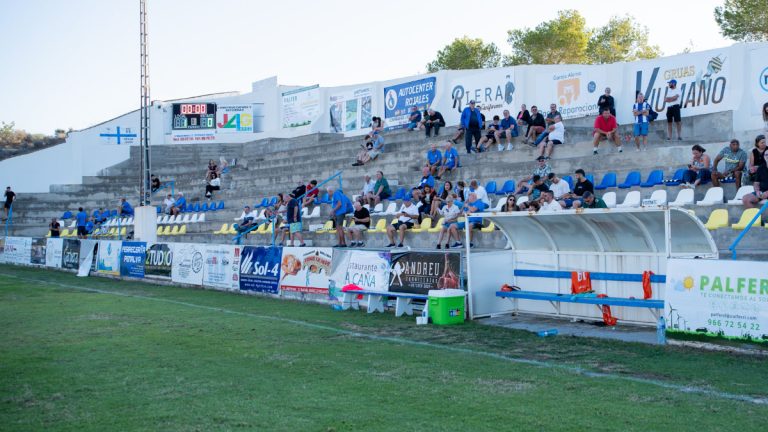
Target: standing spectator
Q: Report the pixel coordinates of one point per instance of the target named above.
(341, 205)
(472, 122)
(366, 193)
(361, 221)
(606, 102)
(735, 160)
(490, 137)
(426, 179)
(82, 219)
(536, 126)
(757, 159)
(473, 205)
(548, 202)
(168, 204)
(591, 201)
(450, 213)
(293, 219)
(381, 190)
(55, 228)
(414, 119)
(312, 192)
(698, 169)
(580, 187)
(542, 169)
(674, 100)
(247, 220)
(405, 220)
(606, 128)
(450, 159)
(641, 110)
(549, 120)
(524, 118)
(10, 196)
(555, 136)
(434, 159)
(154, 183)
(479, 191)
(433, 121)
(178, 205)
(508, 130)
(125, 208)
(212, 184)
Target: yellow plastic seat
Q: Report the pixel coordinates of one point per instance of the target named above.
(438, 227)
(112, 231)
(380, 227)
(223, 230)
(490, 228)
(159, 230)
(64, 232)
(231, 229)
(182, 230)
(267, 228)
(123, 231)
(166, 230)
(717, 219)
(425, 224)
(175, 230)
(745, 218)
(327, 227)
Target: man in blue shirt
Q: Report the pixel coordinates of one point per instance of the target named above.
(508, 129)
(178, 205)
(82, 219)
(341, 205)
(434, 159)
(125, 208)
(414, 119)
(426, 179)
(450, 159)
(472, 122)
(473, 205)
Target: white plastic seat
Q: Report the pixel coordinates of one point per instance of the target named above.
(391, 209)
(523, 199)
(741, 193)
(714, 196)
(186, 218)
(500, 204)
(610, 199)
(164, 220)
(73, 224)
(632, 200)
(201, 218)
(660, 196)
(315, 213)
(193, 219)
(130, 221)
(304, 212)
(378, 208)
(684, 198)
(172, 219)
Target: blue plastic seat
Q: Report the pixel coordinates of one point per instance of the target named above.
(490, 187)
(264, 202)
(273, 200)
(569, 180)
(204, 207)
(195, 208)
(656, 177)
(67, 214)
(220, 206)
(400, 194)
(159, 209)
(113, 213)
(325, 199)
(677, 178)
(633, 179)
(507, 188)
(591, 178)
(609, 181)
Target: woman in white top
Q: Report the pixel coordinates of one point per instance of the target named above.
(698, 169)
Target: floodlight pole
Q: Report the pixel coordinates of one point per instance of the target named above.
(145, 184)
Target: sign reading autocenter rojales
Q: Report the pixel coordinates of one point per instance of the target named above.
(399, 98)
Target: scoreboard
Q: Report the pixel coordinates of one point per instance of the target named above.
(190, 116)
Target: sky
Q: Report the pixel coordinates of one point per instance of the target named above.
(75, 63)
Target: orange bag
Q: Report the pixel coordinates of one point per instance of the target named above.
(608, 319)
(580, 283)
(647, 290)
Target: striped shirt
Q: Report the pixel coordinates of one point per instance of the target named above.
(640, 107)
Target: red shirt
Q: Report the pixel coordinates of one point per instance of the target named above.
(312, 192)
(605, 125)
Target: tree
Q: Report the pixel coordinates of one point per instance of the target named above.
(743, 20)
(562, 40)
(621, 39)
(466, 53)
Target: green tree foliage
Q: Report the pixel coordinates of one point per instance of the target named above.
(622, 39)
(466, 53)
(743, 20)
(562, 40)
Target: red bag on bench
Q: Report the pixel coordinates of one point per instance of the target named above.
(580, 283)
(647, 290)
(608, 319)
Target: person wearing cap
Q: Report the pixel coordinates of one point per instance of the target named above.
(542, 170)
(735, 159)
(247, 220)
(472, 122)
(606, 128)
(674, 100)
(433, 120)
(406, 218)
(606, 101)
(414, 118)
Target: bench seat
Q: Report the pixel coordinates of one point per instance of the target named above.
(376, 301)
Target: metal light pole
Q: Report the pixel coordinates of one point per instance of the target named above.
(145, 183)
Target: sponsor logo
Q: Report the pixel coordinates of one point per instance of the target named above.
(698, 86)
(763, 78)
(487, 98)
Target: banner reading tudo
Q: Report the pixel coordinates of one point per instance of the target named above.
(260, 269)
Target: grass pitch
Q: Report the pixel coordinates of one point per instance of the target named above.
(98, 354)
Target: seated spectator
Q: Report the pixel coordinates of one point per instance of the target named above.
(542, 169)
(360, 223)
(293, 220)
(426, 179)
(549, 120)
(97, 215)
(440, 199)
(414, 118)
(582, 185)
(760, 195)
(55, 228)
(555, 136)
(510, 204)
(366, 193)
(530, 206)
(371, 151)
(461, 191)
(450, 160)
(507, 129)
(735, 160)
(168, 203)
(433, 120)
(434, 159)
(524, 118)
(490, 136)
(212, 184)
(426, 200)
(247, 220)
(560, 189)
(312, 192)
(179, 204)
(89, 226)
(154, 183)
(477, 189)
(473, 205)
(592, 201)
(125, 208)
(381, 190)
(537, 188)
(536, 125)
(340, 207)
(450, 214)
(641, 110)
(606, 128)
(548, 202)
(699, 168)
(213, 169)
(757, 159)
(376, 125)
(406, 218)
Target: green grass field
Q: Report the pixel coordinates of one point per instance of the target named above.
(97, 354)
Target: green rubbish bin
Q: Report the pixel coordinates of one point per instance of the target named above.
(446, 306)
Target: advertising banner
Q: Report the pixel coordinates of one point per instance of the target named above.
(88, 252)
(260, 269)
(70, 255)
(133, 256)
(38, 251)
(493, 91)
(54, 249)
(17, 250)
(222, 265)
(109, 257)
(159, 260)
(398, 100)
(300, 107)
(758, 76)
(234, 119)
(193, 136)
(350, 110)
(306, 269)
(419, 272)
(367, 269)
(717, 298)
(187, 264)
(575, 90)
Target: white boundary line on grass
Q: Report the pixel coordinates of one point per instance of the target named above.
(538, 363)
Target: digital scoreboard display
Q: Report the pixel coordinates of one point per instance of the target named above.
(189, 116)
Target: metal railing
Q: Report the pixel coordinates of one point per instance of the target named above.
(169, 184)
(736, 242)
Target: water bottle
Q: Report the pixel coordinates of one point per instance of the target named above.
(545, 333)
(336, 306)
(661, 331)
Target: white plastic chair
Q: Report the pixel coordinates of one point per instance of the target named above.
(164, 220)
(391, 209)
(632, 200)
(741, 193)
(714, 196)
(610, 199)
(130, 221)
(684, 198)
(660, 196)
(523, 199)
(201, 218)
(378, 208)
(186, 217)
(73, 224)
(499, 204)
(315, 213)
(193, 219)
(304, 212)
(159, 218)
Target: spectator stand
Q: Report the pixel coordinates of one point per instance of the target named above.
(755, 221)
(621, 243)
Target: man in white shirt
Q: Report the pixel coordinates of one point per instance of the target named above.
(367, 190)
(559, 187)
(168, 203)
(674, 100)
(548, 203)
(556, 137)
(406, 217)
(482, 194)
(247, 220)
(450, 213)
